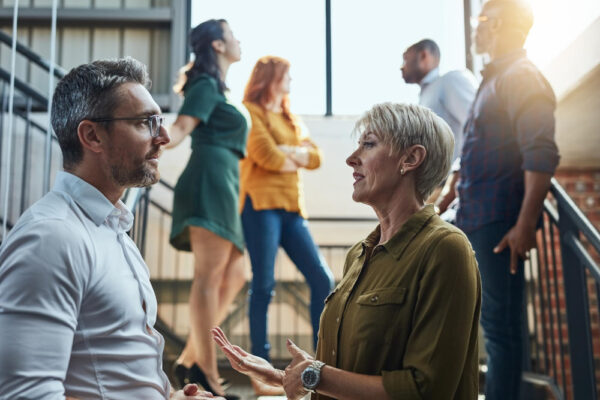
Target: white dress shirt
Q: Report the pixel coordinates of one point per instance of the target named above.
(76, 306)
(450, 96)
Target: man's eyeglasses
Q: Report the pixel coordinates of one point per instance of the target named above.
(154, 122)
(475, 21)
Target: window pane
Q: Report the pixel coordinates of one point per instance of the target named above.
(294, 30)
(368, 39)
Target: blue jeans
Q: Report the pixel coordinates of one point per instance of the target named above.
(501, 312)
(265, 231)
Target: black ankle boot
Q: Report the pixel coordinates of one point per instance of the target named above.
(196, 375)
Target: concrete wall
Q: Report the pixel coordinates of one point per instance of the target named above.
(575, 77)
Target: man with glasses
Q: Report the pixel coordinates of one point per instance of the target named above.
(77, 310)
(508, 157)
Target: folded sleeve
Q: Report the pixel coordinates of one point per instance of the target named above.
(530, 104)
(262, 148)
(41, 286)
(442, 333)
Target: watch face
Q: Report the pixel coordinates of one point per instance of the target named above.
(310, 378)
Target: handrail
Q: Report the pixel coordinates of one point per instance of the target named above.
(28, 95)
(583, 255)
(59, 72)
(25, 88)
(575, 214)
(575, 232)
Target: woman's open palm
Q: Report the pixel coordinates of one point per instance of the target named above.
(246, 363)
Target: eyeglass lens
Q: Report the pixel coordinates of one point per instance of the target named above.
(155, 124)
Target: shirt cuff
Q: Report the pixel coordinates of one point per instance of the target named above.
(540, 161)
(400, 384)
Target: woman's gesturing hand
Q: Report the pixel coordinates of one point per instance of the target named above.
(292, 382)
(247, 364)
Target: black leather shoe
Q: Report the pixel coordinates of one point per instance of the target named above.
(196, 375)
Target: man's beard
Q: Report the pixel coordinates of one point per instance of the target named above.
(143, 175)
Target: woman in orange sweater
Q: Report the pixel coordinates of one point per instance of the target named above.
(271, 197)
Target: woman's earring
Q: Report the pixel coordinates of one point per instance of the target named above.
(402, 171)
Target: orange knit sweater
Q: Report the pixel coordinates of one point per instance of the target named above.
(259, 171)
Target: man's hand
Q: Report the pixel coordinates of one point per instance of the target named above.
(191, 391)
(247, 364)
(520, 239)
(292, 383)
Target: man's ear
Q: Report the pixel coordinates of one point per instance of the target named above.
(413, 157)
(218, 45)
(87, 132)
(496, 24)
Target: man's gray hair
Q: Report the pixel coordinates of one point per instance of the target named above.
(90, 91)
(400, 126)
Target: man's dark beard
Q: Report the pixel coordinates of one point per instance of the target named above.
(141, 177)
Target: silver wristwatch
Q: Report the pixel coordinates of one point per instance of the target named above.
(312, 375)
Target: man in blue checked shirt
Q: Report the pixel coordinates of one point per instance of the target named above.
(508, 158)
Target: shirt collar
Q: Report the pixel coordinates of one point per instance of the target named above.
(401, 239)
(430, 77)
(502, 63)
(93, 202)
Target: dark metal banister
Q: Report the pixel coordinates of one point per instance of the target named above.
(24, 87)
(34, 124)
(583, 255)
(59, 72)
(575, 260)
(575, 214)
(166, 184)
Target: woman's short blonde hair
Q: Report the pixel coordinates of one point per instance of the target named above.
(400, 126)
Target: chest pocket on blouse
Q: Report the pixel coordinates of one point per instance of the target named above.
(382, 297)
(378, 312)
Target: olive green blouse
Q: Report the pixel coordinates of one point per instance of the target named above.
(408, 310)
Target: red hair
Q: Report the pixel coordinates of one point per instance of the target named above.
(268, 71)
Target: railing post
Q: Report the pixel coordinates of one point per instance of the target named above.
(144, 209)
(578, 315)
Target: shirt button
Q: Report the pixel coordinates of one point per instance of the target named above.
(333, 352)
(374, 299)
(337, 320)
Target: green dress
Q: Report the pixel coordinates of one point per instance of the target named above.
(207, 192)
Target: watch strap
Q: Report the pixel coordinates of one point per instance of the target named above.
(315, 366)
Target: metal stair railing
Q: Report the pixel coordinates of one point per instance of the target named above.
(28, 146)
(563, 283)
(32, 56)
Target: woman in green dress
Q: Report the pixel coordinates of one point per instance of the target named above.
(206, 220)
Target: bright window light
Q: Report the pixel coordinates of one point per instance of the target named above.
(368, 39)
(557, 23)
(294, 30)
